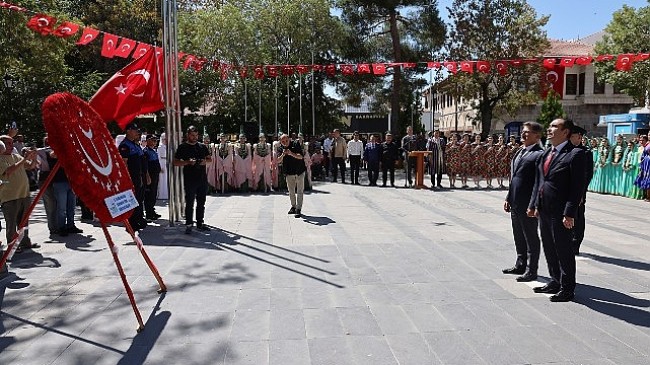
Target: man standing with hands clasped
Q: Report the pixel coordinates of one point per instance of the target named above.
(193, 156)
(561, 179)
(293, 168)
(520, 203)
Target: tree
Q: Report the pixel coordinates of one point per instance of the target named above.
(551, 109)
(496, 30)
(390, 31)
(626, 33)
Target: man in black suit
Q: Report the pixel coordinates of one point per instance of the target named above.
(579, 228)
(561, 180)
(520, 203)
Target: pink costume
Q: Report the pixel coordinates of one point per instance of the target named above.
(243, 164)
(275, 173)
(211, 167)
(262, 165)
(224, 165)
(307, 158)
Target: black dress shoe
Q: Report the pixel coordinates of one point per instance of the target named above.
(550, 288)
(202, 227)
(292, 211)
(74, 229)
(514, 270)
(527, 276)
(298, 214)
(562, 296)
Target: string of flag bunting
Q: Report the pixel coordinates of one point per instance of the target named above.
(117, 46)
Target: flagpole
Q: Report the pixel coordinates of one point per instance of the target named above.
(245, 101)
(300, 100)
(259, 101)
(313, 102)
(288, 111)
(276, 108)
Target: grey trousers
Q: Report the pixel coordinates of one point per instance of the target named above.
(296, 185)
(49, 202)
(13, 211)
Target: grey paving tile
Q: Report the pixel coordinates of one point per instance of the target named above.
(248, 353)
(359, 321)
(251, 325)
(257, 299)
(287, 324)
(411, 349)
(289, 352)
(450, 348)
(371, 350)
(392, 319)
(327, 351)
(323, 323)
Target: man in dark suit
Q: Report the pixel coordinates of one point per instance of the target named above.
(436, 145)
(520, 203)
(561, 180)
(579, 229)
(372, 155)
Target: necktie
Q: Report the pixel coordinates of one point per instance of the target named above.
(547, 162)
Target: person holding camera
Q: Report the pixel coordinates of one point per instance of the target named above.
(293, 168)
(193, 156)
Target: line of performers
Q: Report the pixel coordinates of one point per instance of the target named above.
(240, 166)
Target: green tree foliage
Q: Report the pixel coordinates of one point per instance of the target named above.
(389, 31)
(551, 109)
(496, 30)
(627, 32)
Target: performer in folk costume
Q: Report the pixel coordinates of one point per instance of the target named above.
(502, 161)
(616, 172)
(630, 165)
(279, 182)
(453, 159)
(602, 168)
(465, 158)
(478, 162)
(307, 158)
(224, 167)
(262, 157)
(243, 163)
(163, 190)
(643, 180)
(489, 161)
(211, 167)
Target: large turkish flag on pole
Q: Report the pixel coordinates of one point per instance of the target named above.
(136, 89)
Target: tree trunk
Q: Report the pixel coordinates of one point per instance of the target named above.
(486, 119)
(395, 107)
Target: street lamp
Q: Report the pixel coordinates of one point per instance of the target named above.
(9, 84)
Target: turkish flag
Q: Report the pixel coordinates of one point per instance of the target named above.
(641, 57)
(41, 23)
(272, 71)
(553, 79)
(189, 61)
(378, 68)
(225, 68)
(317, 67)
(87, 153)
(259, 72)
(303, 69)
(347, 69)
(140, 50)
(12, 7)
(134, 90)
(549, 63)
(467, 66)
(409, 65)
(125, 48)
(567, 61)
(624, 62)
(483, 66)
(287, 70)
(502, 67)
(433, 64)
(517, 63)
(330, 70)
(363, 68)
(109, 46)
(66, 29)
(604, 57)
(243, 72)
(451, 67)
(198, 63)
(88, 35)
(584, 60)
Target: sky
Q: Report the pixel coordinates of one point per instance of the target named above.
(571, 19)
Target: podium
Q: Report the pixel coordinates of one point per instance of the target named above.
(419, 167)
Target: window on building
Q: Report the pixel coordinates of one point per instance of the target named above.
(599, 86)
(581, 84)
(617, 90)
(571, 84)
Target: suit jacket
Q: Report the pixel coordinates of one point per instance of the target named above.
(372, 152)
(589, 169)
(522, 194)
(561, 190)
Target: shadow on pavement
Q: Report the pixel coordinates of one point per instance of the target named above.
(317, 221)
(614, 304)
(630, 264)
(144, 341)
(31, 259)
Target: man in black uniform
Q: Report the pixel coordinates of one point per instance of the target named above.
(153, 167)
(579, 228)
(133, 155)
(389, 155)
(193, 156)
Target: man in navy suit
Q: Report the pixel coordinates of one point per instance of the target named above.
(372, 155)
(520, 203)
(561, 180)
(579, 227)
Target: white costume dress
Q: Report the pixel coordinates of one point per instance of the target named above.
(163, 191)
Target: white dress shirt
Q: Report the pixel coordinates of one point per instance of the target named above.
(355, 148)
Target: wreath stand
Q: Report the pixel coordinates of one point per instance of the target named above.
(13, 245)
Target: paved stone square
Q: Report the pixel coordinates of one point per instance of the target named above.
(368, 276)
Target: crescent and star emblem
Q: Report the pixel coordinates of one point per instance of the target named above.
(89, 37)
(104, 170)
(552, 77)
(43, 22)
(66, 30)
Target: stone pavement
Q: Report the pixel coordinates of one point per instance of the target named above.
(368, 276)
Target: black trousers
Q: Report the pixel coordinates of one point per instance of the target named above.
(326, 163)
(137, 217)
(385, 168)
(373, 172)
(527, 245)
(437, 172)
(195, 191)
(151, 195)
(338, 163)
(410, 166)
(355, 166)
(556, 240)
(579, 228)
